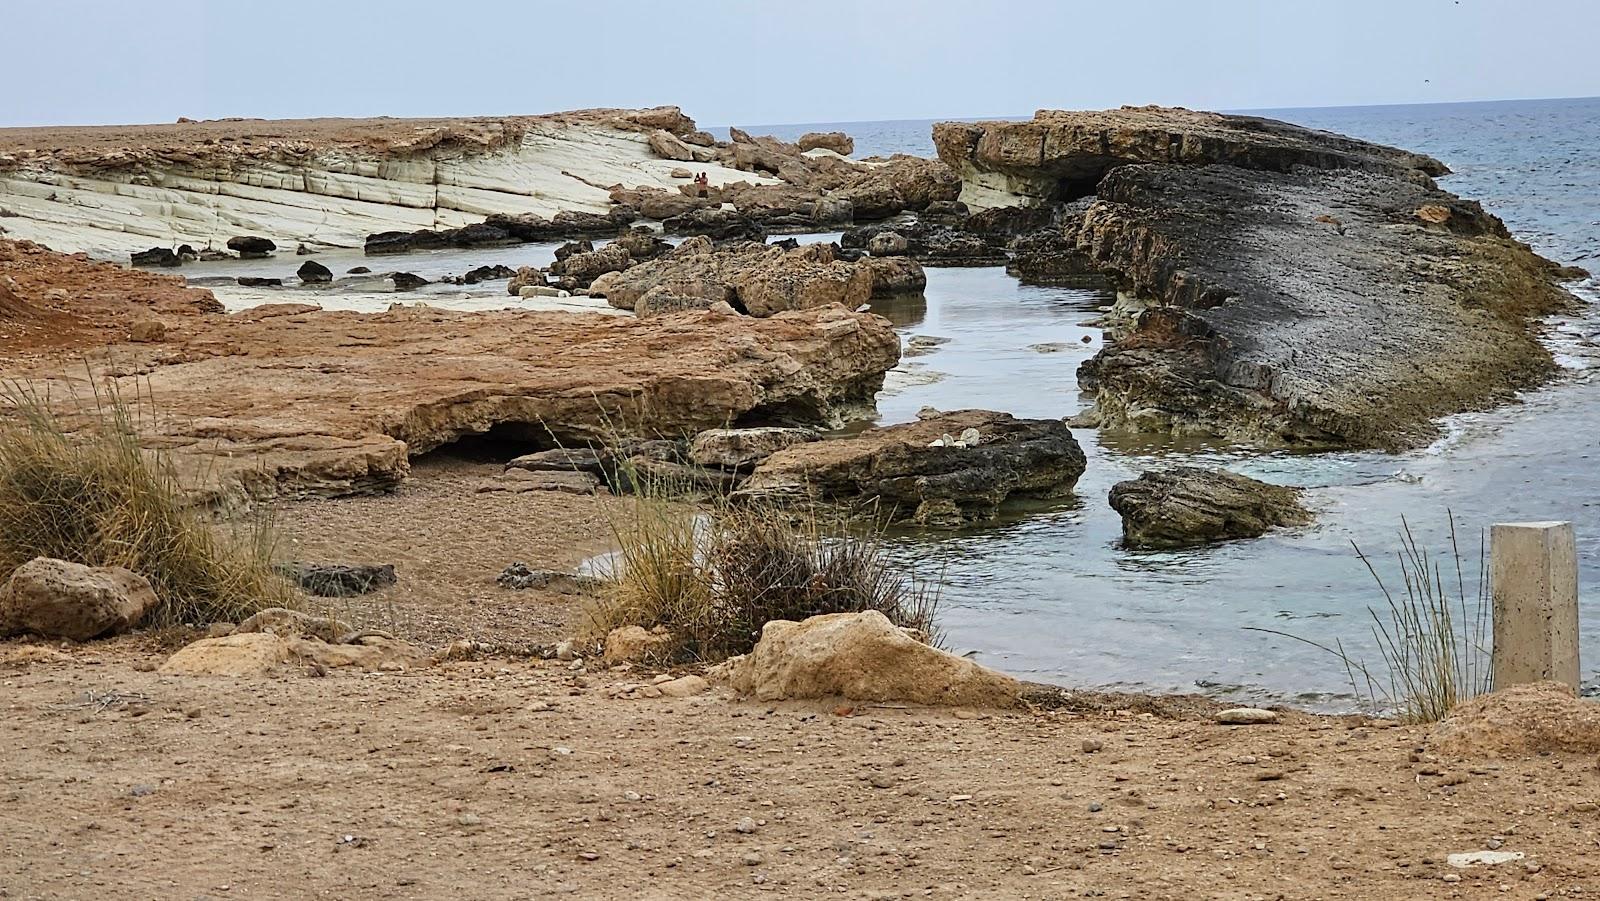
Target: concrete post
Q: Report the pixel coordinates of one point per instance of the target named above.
(1534, 572)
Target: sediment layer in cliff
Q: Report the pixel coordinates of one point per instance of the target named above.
(289, 400)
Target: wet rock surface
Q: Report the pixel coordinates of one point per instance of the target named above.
(1279, 285)
(1188, 505)
(946, 470)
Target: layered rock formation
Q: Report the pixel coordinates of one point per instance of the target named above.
(118, 189)
(394, 185)
(290, 401)
(944, 470)
(1187, 505)
(1279, 285)
(1062, 155)
(755, 279)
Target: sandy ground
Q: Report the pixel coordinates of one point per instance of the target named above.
(508, 777)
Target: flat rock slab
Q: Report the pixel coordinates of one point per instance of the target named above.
(334, 403)
(1246, 716)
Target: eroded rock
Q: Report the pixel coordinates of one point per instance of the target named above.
(743, 448)
(945, 470)
(1188, 505)
(863, 657)
(61, 599)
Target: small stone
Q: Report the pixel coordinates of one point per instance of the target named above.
(1093, 745)
(751, 859)
(746, 825)
(469, 819)
(1096, 807)
(884, 780)
(631, 796)
(566, 650)
(1246, 716)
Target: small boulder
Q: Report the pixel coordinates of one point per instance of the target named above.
(888, 244)
(635, 644)
(406, 281)
(1188, 505)
(837, 141)
(895, 275)
(487, 273)
(312, 272)
(245, 654)
(668, 146)
(683, 687)
(368, 652)
(147, 331)
(248, 281)
(1246, 716)
(61, 599)
(521, 577)
(251, 247)
(862, 657)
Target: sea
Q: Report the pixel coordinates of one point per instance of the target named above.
(1050, 594)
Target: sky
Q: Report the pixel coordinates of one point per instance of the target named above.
(766, 62)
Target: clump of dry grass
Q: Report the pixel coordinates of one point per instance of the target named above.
(714, 577)
(1433, 638)
(92, 495)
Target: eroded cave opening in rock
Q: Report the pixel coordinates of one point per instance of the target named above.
(502, 443)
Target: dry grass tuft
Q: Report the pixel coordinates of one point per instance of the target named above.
(94, 496)
(714, 577)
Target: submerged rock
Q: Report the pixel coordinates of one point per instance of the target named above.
(61, 599)
(912, 472)
(1187, 505)
(862, 657)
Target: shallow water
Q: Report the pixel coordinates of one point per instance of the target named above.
(1048, 593)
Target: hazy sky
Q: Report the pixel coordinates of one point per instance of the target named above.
(775, 61)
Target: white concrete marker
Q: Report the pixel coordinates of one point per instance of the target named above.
(1534, 571)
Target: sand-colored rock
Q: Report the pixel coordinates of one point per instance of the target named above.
(370, 653)
(332, 403)
(636, 644)
(243, 655)
(61, 599)
(755, 279)
(1538, 718)
(741, 448)
(837, 141)
(293, 624)
(863, 657)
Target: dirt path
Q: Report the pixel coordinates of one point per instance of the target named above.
(502, 779)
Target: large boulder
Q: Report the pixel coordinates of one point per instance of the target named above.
(1063, 154)
(945, 470)
(61, 599)
(669, 146)
(862, 657)
(1187, 505)
(1520, 721)
(837, 141)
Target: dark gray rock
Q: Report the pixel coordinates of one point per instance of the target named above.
(251, 247)
(1187, 506)
(337, 580)
(312, 272)
(157, 256)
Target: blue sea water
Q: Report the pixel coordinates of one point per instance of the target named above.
(1051, 595)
